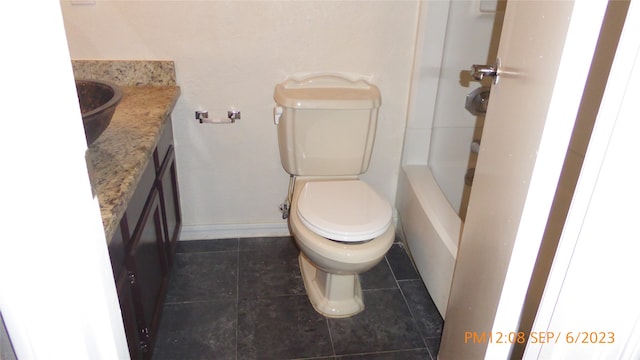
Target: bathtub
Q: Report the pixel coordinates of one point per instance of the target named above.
(431, 229)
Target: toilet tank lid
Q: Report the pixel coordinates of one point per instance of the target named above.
(327, 91)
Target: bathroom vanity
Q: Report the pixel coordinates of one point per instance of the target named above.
(133, 172)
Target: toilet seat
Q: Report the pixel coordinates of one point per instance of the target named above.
(343, 210)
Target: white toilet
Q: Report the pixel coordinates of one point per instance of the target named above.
(343, 227)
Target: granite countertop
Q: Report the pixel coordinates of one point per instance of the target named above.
(120, 155)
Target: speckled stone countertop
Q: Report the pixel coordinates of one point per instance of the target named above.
(121, 153)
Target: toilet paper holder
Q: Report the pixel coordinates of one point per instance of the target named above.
(232, 115)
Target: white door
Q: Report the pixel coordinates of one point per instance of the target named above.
(57, 292)
(545, 50)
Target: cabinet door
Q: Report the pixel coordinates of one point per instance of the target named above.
(127, 308)
(136, 205)
(170, 200)
(117, 249)
(148, 264)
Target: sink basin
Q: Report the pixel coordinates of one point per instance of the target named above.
(98, 100)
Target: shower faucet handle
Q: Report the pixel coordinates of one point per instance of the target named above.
(478, 72)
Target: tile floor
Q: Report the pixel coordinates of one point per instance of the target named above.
(244, 299)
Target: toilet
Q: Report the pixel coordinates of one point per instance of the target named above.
(326, 128)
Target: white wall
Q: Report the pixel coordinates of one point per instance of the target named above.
(232, 53)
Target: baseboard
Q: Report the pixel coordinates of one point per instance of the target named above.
(223, 231)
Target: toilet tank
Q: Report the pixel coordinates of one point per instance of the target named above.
(326, 125)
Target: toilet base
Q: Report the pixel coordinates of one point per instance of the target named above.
(335, 296)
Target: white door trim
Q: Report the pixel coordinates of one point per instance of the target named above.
(592, 286)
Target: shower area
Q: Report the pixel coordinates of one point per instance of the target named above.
(444, 132)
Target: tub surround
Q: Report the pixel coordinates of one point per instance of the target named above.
(120, 155)
(431, 228)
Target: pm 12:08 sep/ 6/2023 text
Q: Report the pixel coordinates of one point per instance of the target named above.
(541, 337)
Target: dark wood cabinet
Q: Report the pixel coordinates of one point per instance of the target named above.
(142, 250)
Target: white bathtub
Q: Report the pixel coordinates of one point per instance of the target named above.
(431, 229)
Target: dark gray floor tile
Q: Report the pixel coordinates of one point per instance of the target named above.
(401, 264)
(200, 330)
(270, 268)
(274, 319)
(207, 245)
(379, 277)
(386, 324)
(284, 327)
(276, 243)
(422, 307)
(203, 276)
(416, 354)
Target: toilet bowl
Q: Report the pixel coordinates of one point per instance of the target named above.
(343, 228)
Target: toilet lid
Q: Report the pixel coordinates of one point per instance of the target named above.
(345, 210)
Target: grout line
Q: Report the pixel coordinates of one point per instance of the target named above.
(409, 280)
(333, 349)
(270, 296)
(196, 301)
(413, 317)
(433, 356)
(398, 351)
(390, 267)
(312, 358)
(379, 289)
(206, 252)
